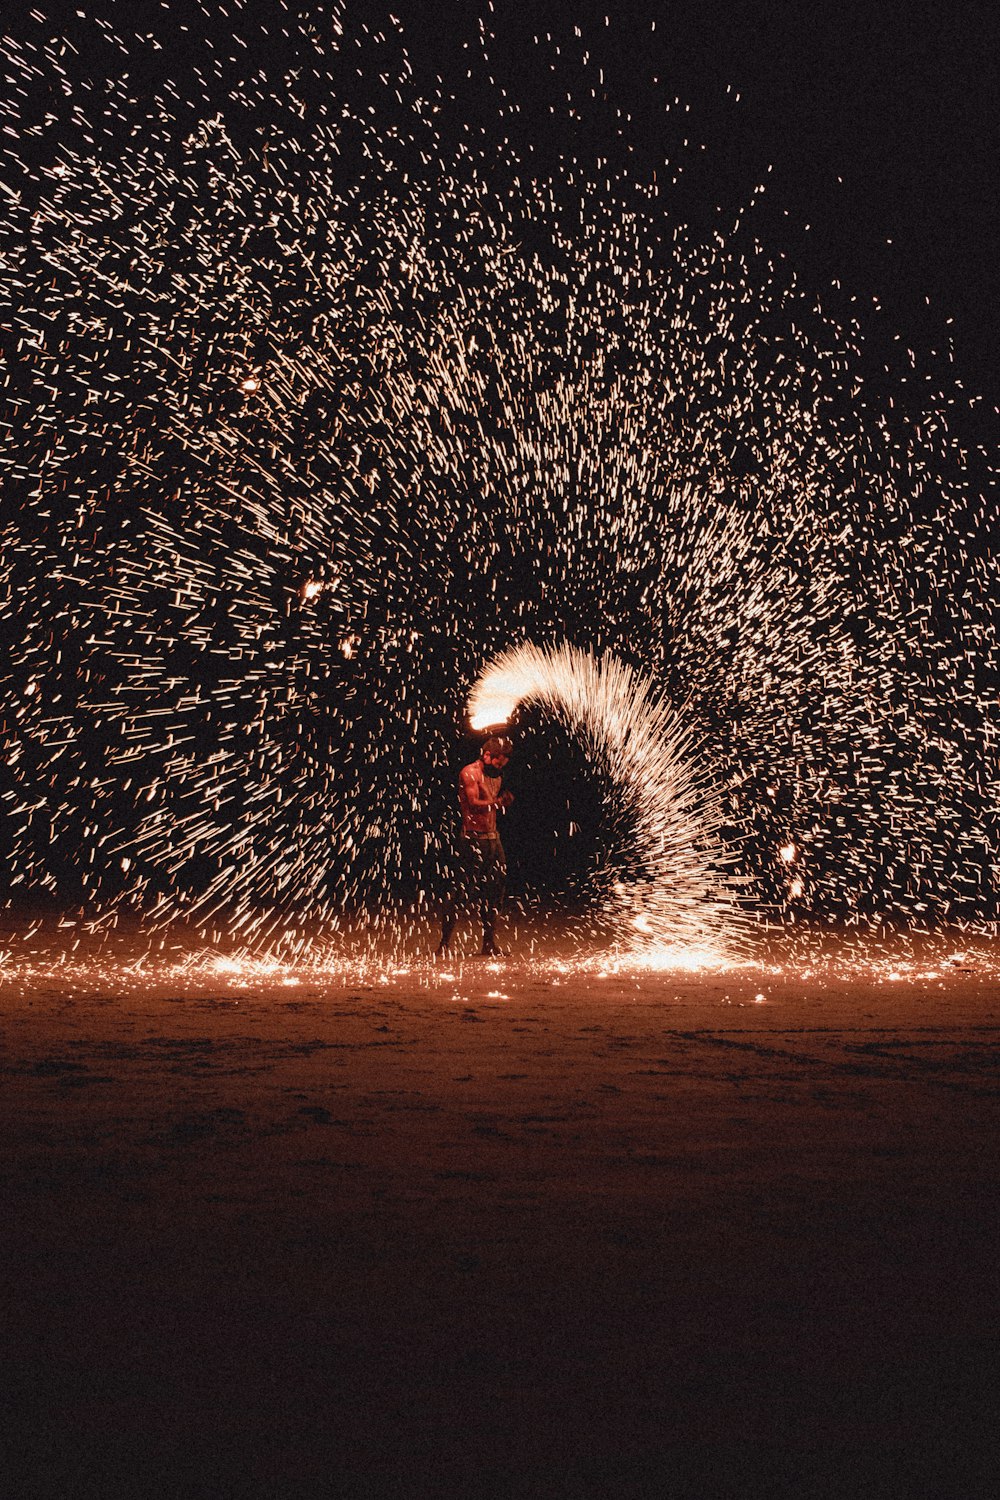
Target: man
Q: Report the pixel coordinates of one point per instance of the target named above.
(483, 863)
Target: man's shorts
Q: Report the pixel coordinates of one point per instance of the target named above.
(483, 867)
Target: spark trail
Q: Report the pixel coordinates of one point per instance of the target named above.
(666, 871)
(314, 407)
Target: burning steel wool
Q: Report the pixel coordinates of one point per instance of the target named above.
(317, 404)
(672, 884)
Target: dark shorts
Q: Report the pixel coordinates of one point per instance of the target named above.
(482, 872)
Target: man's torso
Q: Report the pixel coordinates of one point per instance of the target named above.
(481, 821)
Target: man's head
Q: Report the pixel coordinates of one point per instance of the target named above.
(495, 754)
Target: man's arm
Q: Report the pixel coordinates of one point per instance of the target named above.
(480, 800)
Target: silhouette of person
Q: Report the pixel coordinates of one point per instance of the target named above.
(482, 874)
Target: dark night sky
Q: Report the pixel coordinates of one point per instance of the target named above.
(880, 121)
(898, 101)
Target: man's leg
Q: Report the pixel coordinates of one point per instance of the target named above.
(449, 916)
(494, 890)
(464, 873)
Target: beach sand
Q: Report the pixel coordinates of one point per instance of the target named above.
(525, 1229)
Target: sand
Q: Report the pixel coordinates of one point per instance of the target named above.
(501, 1230)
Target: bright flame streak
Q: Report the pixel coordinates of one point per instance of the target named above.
(494, 709)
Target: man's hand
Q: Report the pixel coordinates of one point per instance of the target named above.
(505, 799)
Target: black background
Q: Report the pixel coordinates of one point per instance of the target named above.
(874, 125)
(874, 128)
(879, 124)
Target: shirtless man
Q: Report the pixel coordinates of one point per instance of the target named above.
(483, 862)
